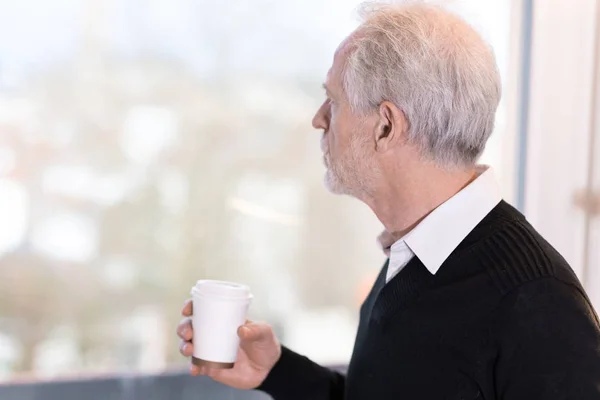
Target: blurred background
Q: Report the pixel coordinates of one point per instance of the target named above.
(146, 144)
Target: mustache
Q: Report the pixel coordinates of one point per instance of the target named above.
(324, 145)
(325, 151)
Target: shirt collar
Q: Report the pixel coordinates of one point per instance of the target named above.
(440, 232)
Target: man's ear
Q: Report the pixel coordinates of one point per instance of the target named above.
(390, 129)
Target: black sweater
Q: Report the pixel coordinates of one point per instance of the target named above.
(505, 317)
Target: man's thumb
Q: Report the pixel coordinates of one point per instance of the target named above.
(251, 332)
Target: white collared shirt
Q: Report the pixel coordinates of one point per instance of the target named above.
(440, 232)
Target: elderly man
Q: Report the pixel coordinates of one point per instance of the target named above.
(472, 303)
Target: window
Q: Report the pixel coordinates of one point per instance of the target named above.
(148, 144)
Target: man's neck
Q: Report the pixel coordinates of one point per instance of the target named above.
(401, 203)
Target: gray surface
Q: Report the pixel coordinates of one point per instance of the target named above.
(160, 387)
(524, 103)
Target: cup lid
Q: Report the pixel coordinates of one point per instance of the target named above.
(221, 289)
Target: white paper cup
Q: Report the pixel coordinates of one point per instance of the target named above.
(220, 308)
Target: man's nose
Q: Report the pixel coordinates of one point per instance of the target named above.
(321, 118)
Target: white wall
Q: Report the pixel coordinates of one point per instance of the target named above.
(561, 88)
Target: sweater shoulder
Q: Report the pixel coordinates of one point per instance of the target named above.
(515, 254)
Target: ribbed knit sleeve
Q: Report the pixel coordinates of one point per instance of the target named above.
(549, 337)
(295, 377)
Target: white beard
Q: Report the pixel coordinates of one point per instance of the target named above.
(344, 179)
(332, 183)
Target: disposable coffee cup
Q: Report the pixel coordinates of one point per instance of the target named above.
(220, 308)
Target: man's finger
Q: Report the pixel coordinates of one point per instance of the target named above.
(194, 370)
(187, 308)
(214, 373)
(184, 329)
(252, 332)
(186, 348)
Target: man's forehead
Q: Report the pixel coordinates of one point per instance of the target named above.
(338, 61)
(344, 46)
(331, 80)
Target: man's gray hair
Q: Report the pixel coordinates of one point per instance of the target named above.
(434, 67)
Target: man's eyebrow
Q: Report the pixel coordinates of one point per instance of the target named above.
(327, 90)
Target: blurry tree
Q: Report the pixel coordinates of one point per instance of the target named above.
(168, 222)
(29, 302)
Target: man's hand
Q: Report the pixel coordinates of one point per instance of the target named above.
(259, 351)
